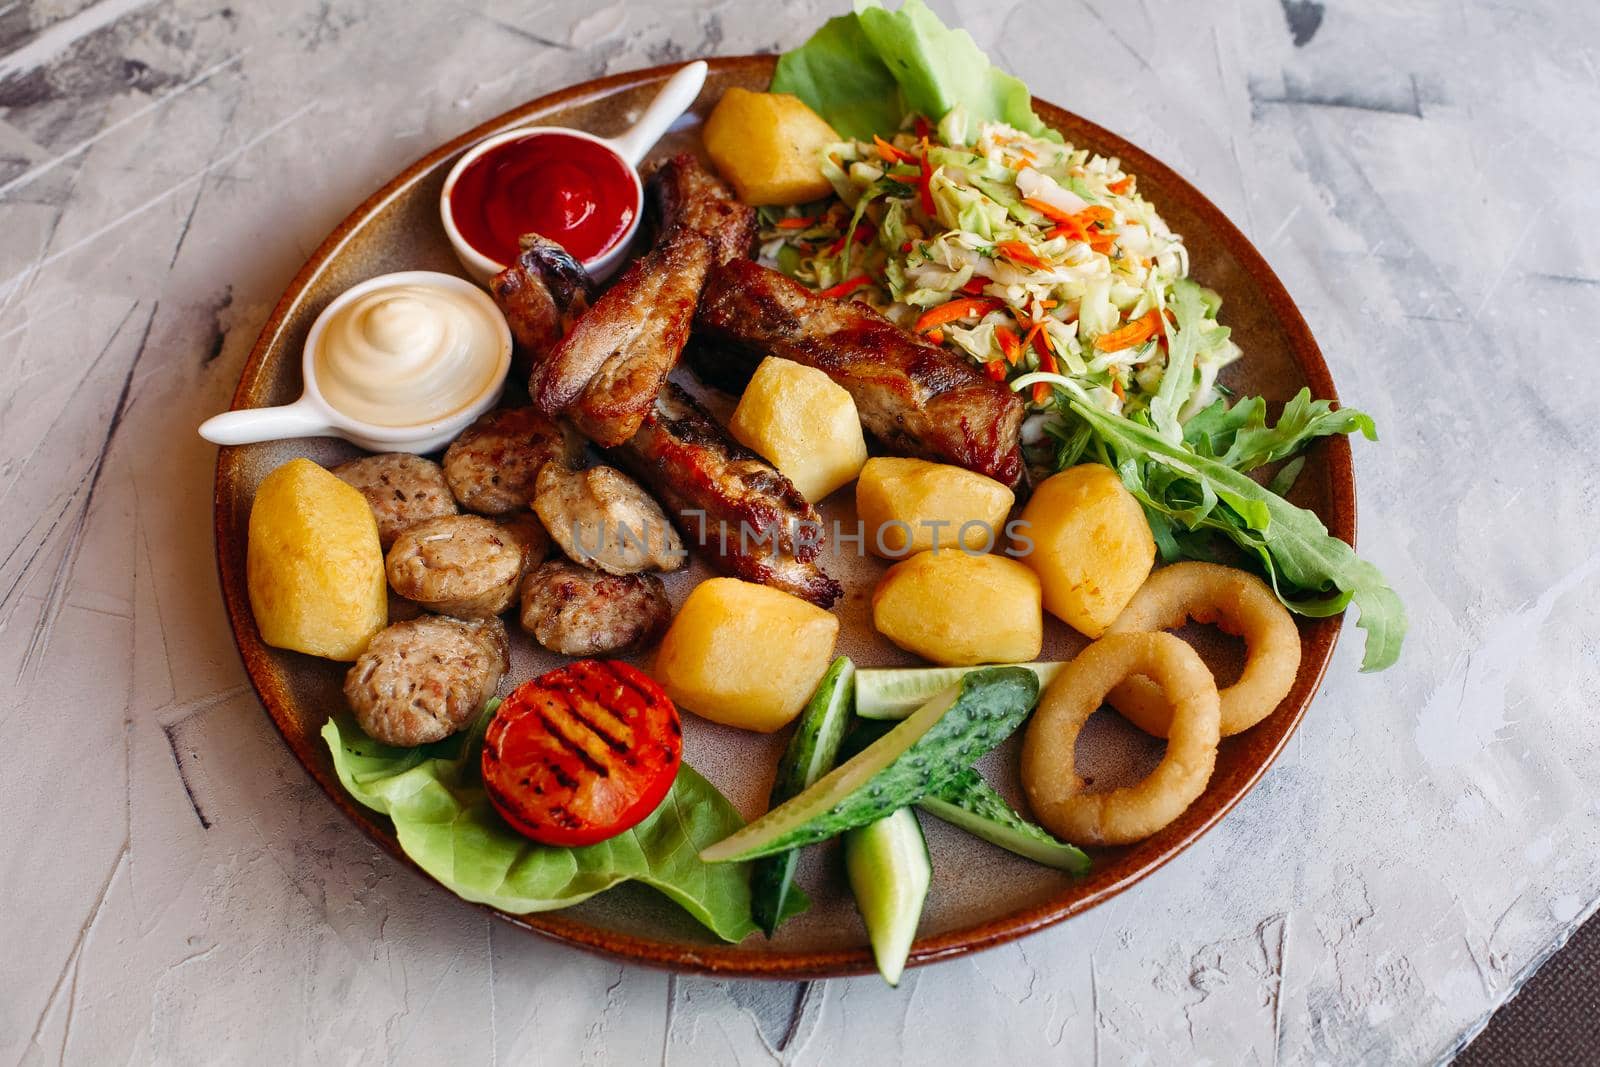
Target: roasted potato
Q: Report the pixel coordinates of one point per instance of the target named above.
(910, 504)
(1088, 540)
(313, 564)
(958, 609)
(745, 655)
(768, 146)
(802, 422)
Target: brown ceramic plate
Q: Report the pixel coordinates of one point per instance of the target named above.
(981, 895)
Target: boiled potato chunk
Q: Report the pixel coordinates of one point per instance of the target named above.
(958, 609)
(958, 507)
(745, 655)
(768, 146)
(313, 564)
(1091, 546)
(803, 423)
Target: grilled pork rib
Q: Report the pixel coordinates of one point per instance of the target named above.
(606, 372)
(918, 400)
(747, 518)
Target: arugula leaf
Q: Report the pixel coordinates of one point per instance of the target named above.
(864, 72)
(443, 818)
(1191, 498)
(1240, 437)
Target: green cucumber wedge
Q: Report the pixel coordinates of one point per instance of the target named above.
(918, 757)
(889, 871)
(895, 692)
(811, 753)
(978, 808)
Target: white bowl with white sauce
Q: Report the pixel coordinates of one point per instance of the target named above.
(398, 363)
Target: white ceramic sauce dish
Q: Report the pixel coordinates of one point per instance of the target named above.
(313, 416)
(629, 147)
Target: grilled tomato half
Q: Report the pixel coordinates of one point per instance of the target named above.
(583, 753)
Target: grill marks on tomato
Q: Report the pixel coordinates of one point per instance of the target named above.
(582, 753)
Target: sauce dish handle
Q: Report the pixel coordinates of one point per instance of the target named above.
(673, 100)
(247, 426)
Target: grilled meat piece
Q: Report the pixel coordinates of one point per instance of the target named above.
(747, 518)
(605, 373)
(604, 519)
(681, 192)
(492, 465)
(542, 294)
(579, 612)
(916, 399)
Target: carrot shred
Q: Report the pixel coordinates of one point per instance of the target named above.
(996, 370)
(846, 287)
(974, 306)
(1136, 332)
(1121, 185)
(974, 285)
(1018, 252)
(796, 224)
(936, 336)
(1041, 345)
(890, 153)
(1010, 344)
(1041, 392)
(1116, 387)
(1047, 209)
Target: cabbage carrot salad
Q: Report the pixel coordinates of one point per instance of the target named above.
(1024, 253)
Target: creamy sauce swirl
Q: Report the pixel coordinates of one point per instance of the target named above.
(408, 354)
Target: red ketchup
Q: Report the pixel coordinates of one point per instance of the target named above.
(568, 189)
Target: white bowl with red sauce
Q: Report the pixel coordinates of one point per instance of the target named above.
(564, 184)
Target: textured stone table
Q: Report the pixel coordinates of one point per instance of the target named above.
(176, 890)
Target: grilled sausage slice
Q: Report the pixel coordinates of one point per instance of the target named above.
(492, 465)
(918, 400)
(602, 518)
(422, 680)
(402, 489)
(736, 508)
(579, 612)
(463, 565)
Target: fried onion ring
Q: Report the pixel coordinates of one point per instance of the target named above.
(1237, 603)
(1132, 813)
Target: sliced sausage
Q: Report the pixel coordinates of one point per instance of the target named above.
(579, 612)
(422, 680)
(492, 465)
(529, 533)
(463, 565)
(402, 489)
(602, 518)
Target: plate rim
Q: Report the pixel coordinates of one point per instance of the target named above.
(721, 959)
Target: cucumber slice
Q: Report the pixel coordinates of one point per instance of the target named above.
(978, 808)
(917, 757)
(889, 870)
(811, 753)
(895, 692)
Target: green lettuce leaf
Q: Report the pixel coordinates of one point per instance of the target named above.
(864, 72)
(839, 75)
(444, 821)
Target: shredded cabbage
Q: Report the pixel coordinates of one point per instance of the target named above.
(1074, 272)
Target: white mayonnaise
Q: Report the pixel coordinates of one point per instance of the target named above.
(408, 354)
